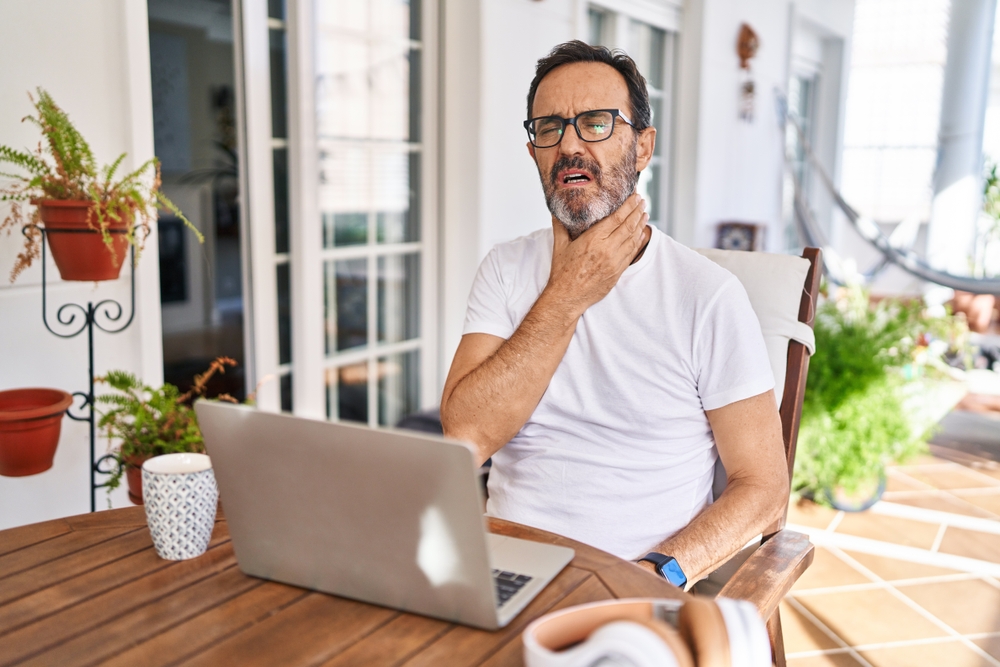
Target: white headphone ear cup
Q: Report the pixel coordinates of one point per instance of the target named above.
(630, 642)
(749, 645)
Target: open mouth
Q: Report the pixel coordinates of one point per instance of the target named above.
(574, 177)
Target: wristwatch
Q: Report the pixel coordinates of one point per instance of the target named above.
(667, 567)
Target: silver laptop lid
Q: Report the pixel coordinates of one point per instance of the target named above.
(388, 517)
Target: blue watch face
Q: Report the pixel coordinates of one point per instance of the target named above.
(673, 573)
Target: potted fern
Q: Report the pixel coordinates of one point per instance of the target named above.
(862, 412)
(91, 215)
(148, 422)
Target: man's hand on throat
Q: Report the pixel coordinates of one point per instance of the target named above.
(585, 270)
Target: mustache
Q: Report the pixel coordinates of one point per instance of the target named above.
(574, 162)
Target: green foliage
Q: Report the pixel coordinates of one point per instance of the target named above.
(991, 191)
(150, 422)
(853, 416)
(65, 169)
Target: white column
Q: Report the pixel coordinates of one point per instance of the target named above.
(958, 176)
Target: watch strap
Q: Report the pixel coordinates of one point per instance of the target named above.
(667, 567)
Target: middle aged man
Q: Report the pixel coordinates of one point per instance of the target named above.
(603, 365)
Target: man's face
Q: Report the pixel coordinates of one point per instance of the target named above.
(585, 182)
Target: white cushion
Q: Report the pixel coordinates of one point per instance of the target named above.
(774, 284)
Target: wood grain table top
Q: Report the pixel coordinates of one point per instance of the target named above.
(90, 589)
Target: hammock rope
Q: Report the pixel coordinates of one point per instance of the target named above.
(904, 258)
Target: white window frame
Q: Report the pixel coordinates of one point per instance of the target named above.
(306, 255)
(260, 293)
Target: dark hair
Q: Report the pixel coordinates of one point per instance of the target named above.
(579, 52)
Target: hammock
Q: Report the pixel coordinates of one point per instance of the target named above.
(891, 252)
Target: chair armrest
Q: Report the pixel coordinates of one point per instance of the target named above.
(770, 572)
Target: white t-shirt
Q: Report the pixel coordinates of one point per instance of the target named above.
(619, 453)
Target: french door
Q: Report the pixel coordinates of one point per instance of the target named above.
(339, 139)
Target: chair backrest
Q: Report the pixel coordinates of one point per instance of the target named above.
(782, 291)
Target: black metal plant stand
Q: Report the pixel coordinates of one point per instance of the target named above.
(111, 312)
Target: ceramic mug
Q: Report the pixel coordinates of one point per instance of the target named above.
(181, 497)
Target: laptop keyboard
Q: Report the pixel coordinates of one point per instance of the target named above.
(508, 583)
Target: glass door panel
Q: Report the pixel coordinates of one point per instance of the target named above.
(368, 124)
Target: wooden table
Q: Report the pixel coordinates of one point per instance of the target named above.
(90, 588)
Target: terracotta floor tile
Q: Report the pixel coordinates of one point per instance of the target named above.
(991, 469)
(833, 660)
(897, 480)
(922, 460)
(971, 544)
(869, 617)
(989, 502)
(891, 569)
(826, 571)
(989, 644)
(952, 654)
(889, 529)
(800, 633)
(947, 503)
(808, 513)
(969, 606)
(951, 478)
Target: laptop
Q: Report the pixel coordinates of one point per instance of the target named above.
(384, 516)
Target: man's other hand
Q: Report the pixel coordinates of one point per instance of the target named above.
(585, 270)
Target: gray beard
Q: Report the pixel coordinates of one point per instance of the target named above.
(578, 211)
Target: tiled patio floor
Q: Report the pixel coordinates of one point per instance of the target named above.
(913, 581)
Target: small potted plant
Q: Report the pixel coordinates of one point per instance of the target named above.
(91, 215)
(148, 422)
(860, 412)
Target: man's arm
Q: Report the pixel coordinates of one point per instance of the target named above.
(494, 385)
(748, 437)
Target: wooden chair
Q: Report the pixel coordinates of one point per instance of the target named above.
(765, 575)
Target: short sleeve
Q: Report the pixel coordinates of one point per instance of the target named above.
(729, 350)
(487, 311)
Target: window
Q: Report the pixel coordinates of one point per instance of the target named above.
(335, 142)
(369, 127)
(650, 41)
(278, 45)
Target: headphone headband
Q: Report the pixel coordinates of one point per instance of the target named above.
(553, 632)
(717, 632)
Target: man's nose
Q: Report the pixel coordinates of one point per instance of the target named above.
(571, 143)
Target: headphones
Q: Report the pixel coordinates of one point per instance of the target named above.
(643, 632)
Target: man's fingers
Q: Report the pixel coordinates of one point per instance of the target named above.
(632, 220)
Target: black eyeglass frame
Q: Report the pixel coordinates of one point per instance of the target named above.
(615, 113)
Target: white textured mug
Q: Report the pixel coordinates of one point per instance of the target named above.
(181, 498)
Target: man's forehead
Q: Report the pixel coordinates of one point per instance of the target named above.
(570, 89)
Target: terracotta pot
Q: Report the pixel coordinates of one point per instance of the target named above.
(133, 474)
(30, 422)
(978, 309)
(79, 251)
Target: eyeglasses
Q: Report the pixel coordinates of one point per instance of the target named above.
(591, 126)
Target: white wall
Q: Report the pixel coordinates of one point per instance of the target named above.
(740, 165)
(93, 57)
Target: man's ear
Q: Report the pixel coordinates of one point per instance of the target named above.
(531, 151)
(644, 148)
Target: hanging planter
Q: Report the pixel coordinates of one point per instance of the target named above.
(90, 214)
(30, 422)
(78, 247)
